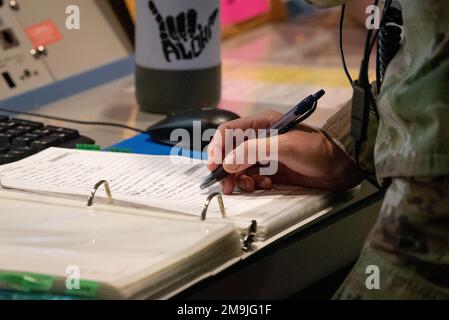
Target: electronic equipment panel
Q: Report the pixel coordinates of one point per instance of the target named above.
(46, 41)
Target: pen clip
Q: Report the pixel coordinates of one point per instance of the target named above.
(307, 114)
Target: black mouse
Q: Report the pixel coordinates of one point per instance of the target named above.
(210, 118)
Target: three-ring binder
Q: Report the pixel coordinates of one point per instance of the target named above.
(247, 240)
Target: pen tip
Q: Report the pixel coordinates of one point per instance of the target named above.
(207, 182)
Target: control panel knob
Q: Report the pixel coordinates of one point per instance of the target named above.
(14, 5)
(39, 51)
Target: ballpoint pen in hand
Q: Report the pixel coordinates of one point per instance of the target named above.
(288, 121)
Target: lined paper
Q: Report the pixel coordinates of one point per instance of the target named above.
(164, 182)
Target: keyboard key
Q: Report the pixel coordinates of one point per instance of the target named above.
(28, 123)
(18, 155)
(4, 149)
(27, 151)
(22, 142)
(26, 129)
(5, 158)
(42, 132)
(12, 156)
(33, 136)
(71, 133)
(64, 137)
(4, 118)
(16, 132)
(8, 125)
(46, 142)
(6, 138)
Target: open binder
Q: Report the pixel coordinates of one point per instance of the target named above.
(194, 246)
(45, 243)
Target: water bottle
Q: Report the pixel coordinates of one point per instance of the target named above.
(178, 58)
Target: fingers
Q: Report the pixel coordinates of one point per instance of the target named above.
(228, 184)
(153, 8)
(157, 15)
(246, 183)
(213, 17)
(262, 182)
(218, 145)
(191, 22)
(179, 27)
(182, 25)
(172, 28)
(300, 157)
(252, 152)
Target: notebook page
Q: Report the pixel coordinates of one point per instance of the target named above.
(164, 182)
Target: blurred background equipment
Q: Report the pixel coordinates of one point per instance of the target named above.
(178, 59)
(37, 51)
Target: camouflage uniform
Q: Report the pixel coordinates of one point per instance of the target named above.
(410, 146)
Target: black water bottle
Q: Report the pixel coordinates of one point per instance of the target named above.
(178, 58)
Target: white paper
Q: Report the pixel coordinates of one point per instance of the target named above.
(129, 252)
(157, 181)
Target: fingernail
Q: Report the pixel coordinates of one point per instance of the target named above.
(266, 184)
(248, 183)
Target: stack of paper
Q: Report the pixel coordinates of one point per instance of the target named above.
(161, 183)
(53, 246)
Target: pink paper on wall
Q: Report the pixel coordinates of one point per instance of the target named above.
(235, 11)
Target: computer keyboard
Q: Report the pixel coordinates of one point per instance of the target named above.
(22, 138)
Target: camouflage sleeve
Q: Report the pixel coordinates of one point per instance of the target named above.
(414, 102)
(326, 3)
(338, 128)
(409, 244)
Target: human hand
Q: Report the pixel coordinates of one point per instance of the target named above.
(306, 157)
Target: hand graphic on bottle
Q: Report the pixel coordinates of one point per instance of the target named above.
(182, 37)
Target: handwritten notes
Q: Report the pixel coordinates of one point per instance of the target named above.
(162, 182)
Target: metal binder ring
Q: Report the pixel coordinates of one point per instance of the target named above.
(248, 240)
(207, 203)
(90, 201)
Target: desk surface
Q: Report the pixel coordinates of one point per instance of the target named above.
(285, 62)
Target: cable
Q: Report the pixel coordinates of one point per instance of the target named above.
(363, 81)
(381, 44)
(90, 123)
(342, 54)
(367, 175)
(390, 37)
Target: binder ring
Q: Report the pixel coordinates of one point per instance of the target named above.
(90, 201)
(248, 240)
(207, 203)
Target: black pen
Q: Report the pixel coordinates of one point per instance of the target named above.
(291, 119)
